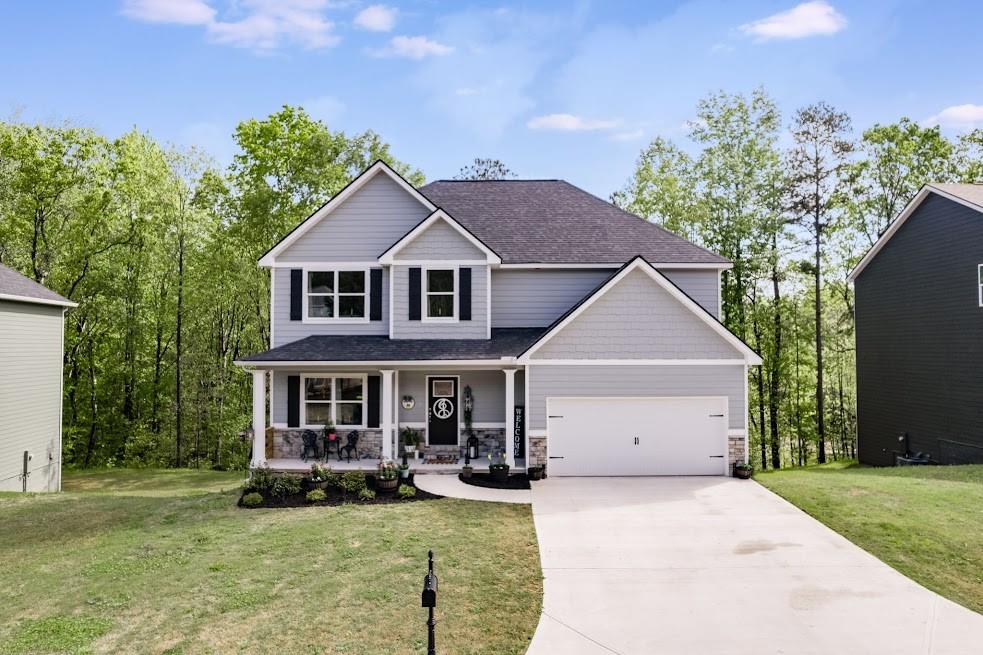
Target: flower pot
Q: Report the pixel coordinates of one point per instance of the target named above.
(536, 473)
(404, 473)
(743, 473)
(386, 485)
(466, 473)
(499, 473)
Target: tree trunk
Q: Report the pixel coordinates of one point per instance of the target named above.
(177, 346)
(820, 399)
(774, 391)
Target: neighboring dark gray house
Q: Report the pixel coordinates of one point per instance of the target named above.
(578, 335)
(919, 316)
(31, 343)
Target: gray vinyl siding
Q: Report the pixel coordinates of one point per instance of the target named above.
(919, 351)
(547, 381)
(440, 242)
(286, 331)
(30, 394)
(637, 319)
(476, 328)
(362, 228)
(703, 286)
(536, 298)
(487, 387)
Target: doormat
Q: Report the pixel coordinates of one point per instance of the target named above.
(441, 459)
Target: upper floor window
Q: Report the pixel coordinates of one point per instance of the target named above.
(336, 295)
(440, 299)
(979, 281)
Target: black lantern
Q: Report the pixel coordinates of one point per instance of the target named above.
(472, 447)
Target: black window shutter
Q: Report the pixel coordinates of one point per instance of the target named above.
(373, 420)
(296, 293)
(464, 299)
(293, 401)
(414, 299)
(375, 294)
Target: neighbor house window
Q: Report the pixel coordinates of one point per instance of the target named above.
(979, 282)
(336, 294)
(440, 299)
(340, 400)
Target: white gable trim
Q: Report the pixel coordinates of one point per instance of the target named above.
(900, 220)
(13, 297)
(380, 167)
(438, 215)
(750, 357)
(660, 265)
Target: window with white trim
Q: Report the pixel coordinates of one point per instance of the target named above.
(440, 294)
(340, 400)
(336, 294)
(979, 281)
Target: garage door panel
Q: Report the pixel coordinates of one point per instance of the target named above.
(637, 436)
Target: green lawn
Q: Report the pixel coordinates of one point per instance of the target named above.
(143, 561)
(926, 521)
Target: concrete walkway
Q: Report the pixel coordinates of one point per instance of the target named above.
(717, 565)
(450, 486)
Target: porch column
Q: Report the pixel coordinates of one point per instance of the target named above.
(387, 414)
(510, 416)
(259, 419)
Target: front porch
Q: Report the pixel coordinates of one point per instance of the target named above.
(297, 465)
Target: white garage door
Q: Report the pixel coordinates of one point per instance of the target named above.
(637, 436)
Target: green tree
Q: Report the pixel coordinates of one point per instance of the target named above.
(485, 169)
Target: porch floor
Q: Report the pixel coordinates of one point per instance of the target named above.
(417, 466)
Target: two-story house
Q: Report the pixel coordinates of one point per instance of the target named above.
(573, 334)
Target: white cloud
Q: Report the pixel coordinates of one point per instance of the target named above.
(816, 18)
(262, 25)
(184, 12)
(569, 123)
(958, 116)
(376, 18)
(413, 47)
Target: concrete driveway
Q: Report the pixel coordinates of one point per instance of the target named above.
(717, 565)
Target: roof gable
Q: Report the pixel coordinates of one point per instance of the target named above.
(18, 288)
(671, 304)
(337, 201)
(968, 195)
(450, 238)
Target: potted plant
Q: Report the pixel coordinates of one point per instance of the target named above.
(743, 470)
(330, 438)
(411, 438)
(320, 476)
(467, 471)
(404, 471)
(497, 468)
(386, 477)
(536, 472)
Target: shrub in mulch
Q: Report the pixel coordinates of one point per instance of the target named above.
(517, 481)
(276, 492)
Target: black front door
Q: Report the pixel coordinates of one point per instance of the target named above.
(442, 411)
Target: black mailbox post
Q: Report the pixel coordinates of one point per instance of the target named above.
(429, 600)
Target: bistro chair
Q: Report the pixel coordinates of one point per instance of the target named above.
(351, 444)
(309, 438)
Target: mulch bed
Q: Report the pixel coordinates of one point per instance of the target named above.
(517, 481)
(336, 497)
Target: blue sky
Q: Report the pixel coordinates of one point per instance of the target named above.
(553, 89)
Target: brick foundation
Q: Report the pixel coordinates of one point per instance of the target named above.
(289, 444)
(488, 439)
(735, 450)
(537, 451)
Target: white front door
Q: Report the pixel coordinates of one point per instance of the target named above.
(637, 436)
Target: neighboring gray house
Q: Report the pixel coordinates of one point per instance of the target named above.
(31, 345)
(919, 317)
(583, 337)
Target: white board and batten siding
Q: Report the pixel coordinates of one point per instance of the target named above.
(30, 395)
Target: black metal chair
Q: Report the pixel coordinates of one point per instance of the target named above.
(351, 444)
(309, 438)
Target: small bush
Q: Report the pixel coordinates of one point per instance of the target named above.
(353, 482)
(333, 478)
(260, 480)
(406, 491)
(366, 494)
(252, 499)
(285, 485)
(316, 495)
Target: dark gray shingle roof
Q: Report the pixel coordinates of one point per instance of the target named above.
(13, 283)
(552, 221)
(505, 342)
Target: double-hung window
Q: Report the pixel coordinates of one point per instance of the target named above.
(340, 400)
(336, 295)
(440, 294)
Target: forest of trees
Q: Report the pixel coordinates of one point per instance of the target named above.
(158, 246)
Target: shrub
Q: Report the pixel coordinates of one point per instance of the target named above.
(316, 495)
(260, 480)
(252, 499)
(387, 470)
(366, 494)
(353, 482)
(406, 491)
(319, 473)
(285, 485)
